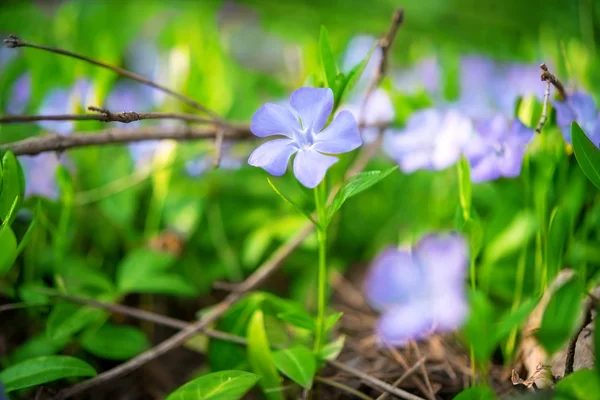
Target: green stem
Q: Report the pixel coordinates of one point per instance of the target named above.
(322, 272)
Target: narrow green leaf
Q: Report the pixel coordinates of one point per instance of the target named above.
(29, 231)
(586, 153)
(8, 249)
(477, 393)
(558, 235)
(355, 185)
(332, 320)
(37, 371)
(261, 359)
(114, 342)
(222, 385)
(291, 203)
(352, 78)
(464, 187)
(333, 349)
(560, 318)
(298, 320)
(13, 187)
(580, 385)
(512, 238)
(298, 364)
(327, 61)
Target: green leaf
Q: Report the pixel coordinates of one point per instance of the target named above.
(8, 249)
(333, 349)
(37, 346)
(477, 393)
(298, 320)
(37, 371)
(222, 385)
(512, 238)
(291, 203)
(13, 187)
(586, 153)
(261, 359)
(147, 271)
(579, 385)
(355, 185)
(298, 364)
(558, 234)
(464, 187)
(327, 61)
(479, 328)
(352, 79)
(332, 320)
(114, 342)
(29, 231)
(67, 319)
(560, 318)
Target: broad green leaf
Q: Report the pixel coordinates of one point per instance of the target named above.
(333, 349)
(292, 203)
(355, 185)
(147, 271)
(298, 364)
(298, 320)
(67, 319)
(327, 61)
(37, 346)
(37, 371)
(464, 187)
(33, 293)
(586, 153)
(13, 187)
(114, 342)
(352, 78)
(477, 393)
(513, 237)
(261, 359)
(222, 385)
(560, 318)
(8, 249)
(580, 385)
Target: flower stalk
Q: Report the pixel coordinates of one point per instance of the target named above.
(320, 200)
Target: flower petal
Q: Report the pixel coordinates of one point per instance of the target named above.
(273, 156)
(449, 310)
(404, 323)
(40, 174)
(313, 105)
(340, 136)
(310, 167)
(393, 278)
(273, 119)
(485, 169)
(444, 261)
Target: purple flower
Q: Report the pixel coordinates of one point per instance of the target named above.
(63, 101)
(378, 110)
(230, 160)
(581, 108)
(20, 95)
(421, 290)
(303, 128)
(40, 174)
(433, 139)
(424, 75)
(498, 148)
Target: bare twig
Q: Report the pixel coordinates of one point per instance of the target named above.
(424, 372)
(55, 142)
(218, 148)
(374, 381)
(385, 43)
(548, 76)
(544, 115)
(341, 386)
(104, 116)
(587, 318)
(14, 42)
(405, 375)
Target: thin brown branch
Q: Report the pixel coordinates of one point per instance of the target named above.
(341, 386)
(405, 375)
(385, 43)
(218, 148)
(548, 76)
(544, 115)
(14, 42)
(103, 116)
(55, 142)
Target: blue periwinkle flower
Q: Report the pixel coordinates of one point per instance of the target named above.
(433, 139)
(498, 148)
(302, 125)
(65, 101)
(581, 108)
(20, 95)
(40, 174)
(419, 291)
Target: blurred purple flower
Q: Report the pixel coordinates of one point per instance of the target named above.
(581, 108)
(423, 75)
(20, 95)
(433, 139)
(358, 48)
(144, 59)
(420, 291)
(229, 161)
(498, 148)
(63, 101)
(378, 110)
(40, 174)
(305, 135)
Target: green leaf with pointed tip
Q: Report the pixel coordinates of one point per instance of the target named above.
(8, 249)
(13, 187)
(332, 320)
(114, 342)
(66, 319)
(327, 60)
(297, 363)
(586, 153)
(355, 185)
(37, 371)
(222, 385)
(292, 203)
(332, 349)
(464, 187)
(261, 359)
(298, 320)
(352, 78)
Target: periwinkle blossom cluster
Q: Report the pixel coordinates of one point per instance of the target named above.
(581, 108)
(303, 126)
(420, 290)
